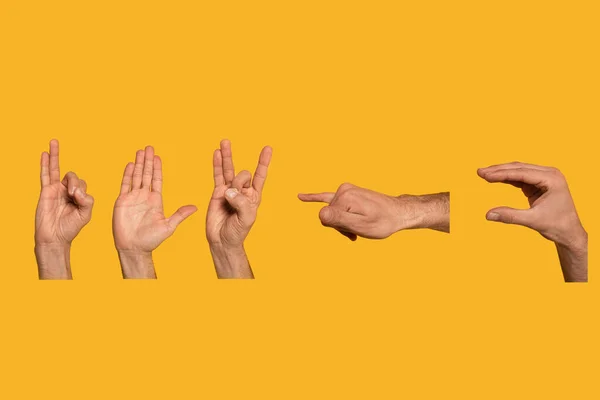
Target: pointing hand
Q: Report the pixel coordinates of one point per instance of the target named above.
(355, 211)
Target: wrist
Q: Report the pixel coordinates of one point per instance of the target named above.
(577, 241)
(136, 264)
(231, 261)
(430, 211)
(53, 260)
(574, 258)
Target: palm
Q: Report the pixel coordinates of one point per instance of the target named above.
(57, 216)
(139, 222)
(223, 223)
(537, 198)
(534, 194)
(229, 220)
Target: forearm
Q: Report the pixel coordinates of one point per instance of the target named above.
(574, 259)
(54, 261)
(431, 211)
(137, 265)
(231, 263)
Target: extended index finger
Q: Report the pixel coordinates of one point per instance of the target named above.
(157, 176)
(227, 157)
(45, 169)
(525, 175)
(514, 165)
(218, 168)
(260, 175)
(54, 163)
(325, 197)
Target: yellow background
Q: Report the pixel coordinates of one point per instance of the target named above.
(400, 97)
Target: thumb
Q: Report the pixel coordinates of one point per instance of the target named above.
(509, 215)
(239, 202)
(85, 202)
(181, 215)
(336, 218)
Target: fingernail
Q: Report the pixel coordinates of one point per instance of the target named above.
(493, 216)
(231, 193)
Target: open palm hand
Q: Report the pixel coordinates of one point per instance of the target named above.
(139, 222)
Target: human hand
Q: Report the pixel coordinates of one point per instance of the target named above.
(355, 211)
(64, 208)
(139, 222)
(552, 211)
(232, 211)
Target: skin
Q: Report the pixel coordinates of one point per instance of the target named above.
(64, 208)
(552, 212)
(354, 212)
(139, 222)
(232, 211)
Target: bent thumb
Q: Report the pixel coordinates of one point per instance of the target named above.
(239, 202)
(181, 215)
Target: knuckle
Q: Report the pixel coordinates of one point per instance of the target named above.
(557, 172)
(344, 197)
(345, 187)
(558, 175)
(350, 193)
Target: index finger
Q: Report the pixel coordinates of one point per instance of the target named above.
(72, 182)
(227, 157)
(127, 178)
(157, 176)
(148, 171)
(260, 175)
(514, 165)
(218, 168)
(325, 197)
(54, 164)
(526, 175)
(45, 169)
